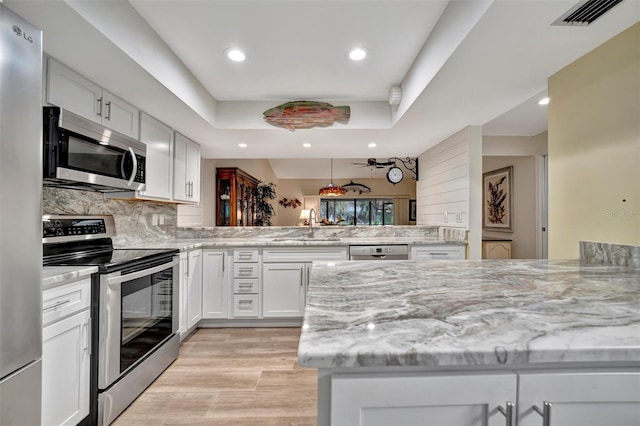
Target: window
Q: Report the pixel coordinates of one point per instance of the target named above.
(357, 211)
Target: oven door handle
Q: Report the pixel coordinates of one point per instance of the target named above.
(115, 281)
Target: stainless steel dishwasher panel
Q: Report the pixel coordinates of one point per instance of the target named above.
(379, 252)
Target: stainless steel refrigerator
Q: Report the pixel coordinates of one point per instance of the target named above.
(20, 220)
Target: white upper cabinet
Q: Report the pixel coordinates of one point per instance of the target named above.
(69, 90)
(159, 162)
(186, 179)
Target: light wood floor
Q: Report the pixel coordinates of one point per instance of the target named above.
(231, 376)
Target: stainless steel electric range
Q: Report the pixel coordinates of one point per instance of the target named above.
(134, 308)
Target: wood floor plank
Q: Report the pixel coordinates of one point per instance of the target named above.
(187, 379)
(231, 377)
(150, 407)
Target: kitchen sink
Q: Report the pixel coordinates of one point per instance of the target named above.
(294, 239)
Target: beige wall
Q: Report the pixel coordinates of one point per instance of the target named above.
(594, 147)
(524, 204)
(299, 188)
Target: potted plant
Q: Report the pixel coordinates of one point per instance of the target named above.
(264, 210)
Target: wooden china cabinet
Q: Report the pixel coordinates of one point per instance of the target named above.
(235, 197)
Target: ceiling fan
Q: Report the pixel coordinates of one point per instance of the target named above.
(372, 162)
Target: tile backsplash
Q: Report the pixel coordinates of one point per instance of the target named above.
(133, 218)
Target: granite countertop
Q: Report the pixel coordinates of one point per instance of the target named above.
(469, 313)
(189, 244)
(54, 275)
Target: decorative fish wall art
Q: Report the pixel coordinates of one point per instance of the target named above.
(357, 187)
(306, 114)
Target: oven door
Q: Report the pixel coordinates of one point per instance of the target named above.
(138, 313)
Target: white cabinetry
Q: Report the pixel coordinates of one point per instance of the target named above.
(573, 398)
(71, 91)
(284, 289)
(215, 282)
(190, 298)
(186, 170)
(66, 353)
(425, 400)
(437, 252)
(159, 163)
(246, 283)
(190, 311)
(285, 277)
(584, 398)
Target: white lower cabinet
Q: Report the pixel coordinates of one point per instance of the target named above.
(66, 353)
(190, 291)
(283, 289)
(563, 398)
(215, 284)
(584, 398)
(424, 400)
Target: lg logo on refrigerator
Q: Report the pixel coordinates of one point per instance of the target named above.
(17, 31)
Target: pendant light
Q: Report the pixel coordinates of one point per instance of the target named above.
(332, 190)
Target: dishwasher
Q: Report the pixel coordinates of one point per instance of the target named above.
(379, 252)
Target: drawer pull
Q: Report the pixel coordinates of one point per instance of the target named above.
(56, 305)
(438, 254)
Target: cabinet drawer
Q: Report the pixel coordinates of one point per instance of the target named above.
(64, 300)
(442, 252)
(245, 305)
(245, 255)
(245, 285)
(246, 270)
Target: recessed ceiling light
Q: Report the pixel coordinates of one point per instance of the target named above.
(543, 101)
(357, 54)
(306, 145)
(372, 145)
(236, 55)
(242, 145)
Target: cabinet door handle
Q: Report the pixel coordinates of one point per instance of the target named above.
(223, 262)
(99, 107)
(87, 334)
(545, 412)
(507, 412)
(301, 278)
(56, 305)
(108, 108)
(186, 189)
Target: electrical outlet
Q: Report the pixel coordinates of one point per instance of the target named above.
(154, 219)
(161, 219)
(446, 217)
(459, 217)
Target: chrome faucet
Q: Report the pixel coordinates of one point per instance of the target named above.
(312, 216)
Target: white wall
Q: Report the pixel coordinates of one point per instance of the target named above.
(514, 145)
(594, 147)
(450, 187)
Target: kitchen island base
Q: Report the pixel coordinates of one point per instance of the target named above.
(587, 395)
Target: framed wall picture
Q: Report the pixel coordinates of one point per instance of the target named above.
(497, 200)
(412, 210)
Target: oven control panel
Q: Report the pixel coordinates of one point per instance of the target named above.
(63, 228)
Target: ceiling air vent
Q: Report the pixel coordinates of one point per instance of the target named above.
(585, 12)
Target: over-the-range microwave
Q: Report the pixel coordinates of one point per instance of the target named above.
(81, 154)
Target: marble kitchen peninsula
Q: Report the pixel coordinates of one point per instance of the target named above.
(452, 341)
